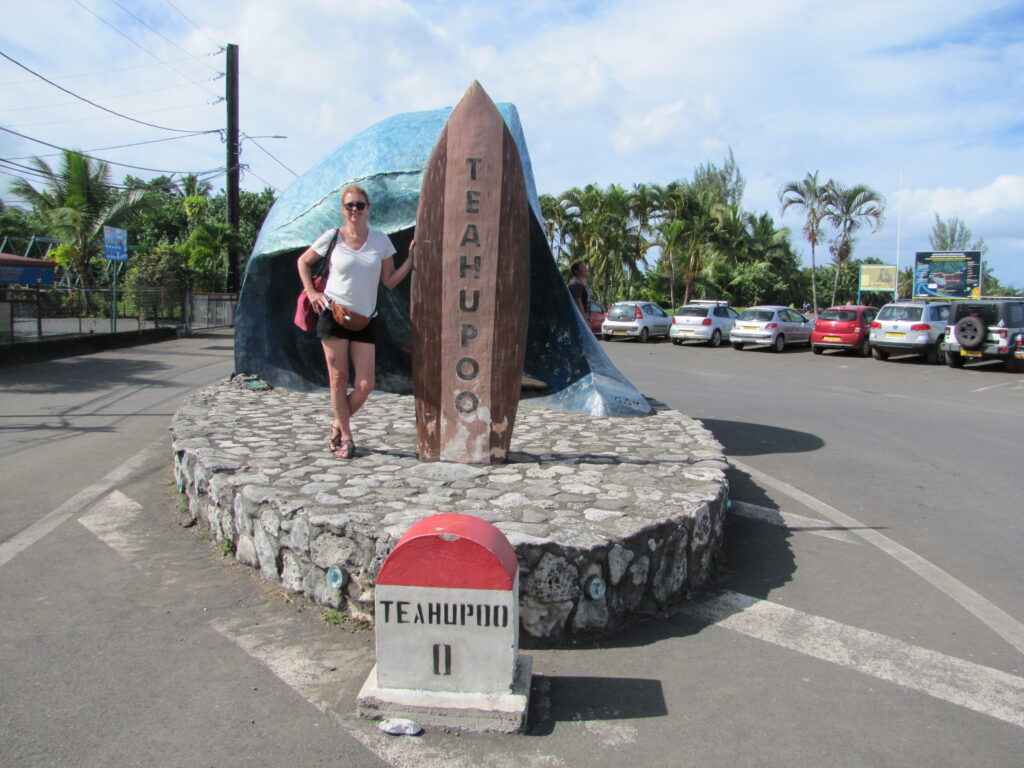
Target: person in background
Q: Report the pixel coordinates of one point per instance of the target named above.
(578, 286)
(361, 260)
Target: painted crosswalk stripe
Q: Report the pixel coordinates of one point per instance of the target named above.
(791, 521)
(964, 683)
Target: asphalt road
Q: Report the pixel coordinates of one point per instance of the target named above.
(867, 609)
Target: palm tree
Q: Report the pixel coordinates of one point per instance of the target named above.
(77, 201)
(810, 197)
(848, 209)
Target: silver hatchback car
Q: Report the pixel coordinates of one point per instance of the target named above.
(709, 321)
(639, 319)
(909, 327)
(773, 325)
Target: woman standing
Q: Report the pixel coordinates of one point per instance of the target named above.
(362, 259)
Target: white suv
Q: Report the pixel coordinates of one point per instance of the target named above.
(909, 327)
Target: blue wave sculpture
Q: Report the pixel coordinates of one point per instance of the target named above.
(387, 159)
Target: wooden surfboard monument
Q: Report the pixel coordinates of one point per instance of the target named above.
(471, 288)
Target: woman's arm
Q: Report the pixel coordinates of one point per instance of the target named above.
(390, 276)
(308, 258)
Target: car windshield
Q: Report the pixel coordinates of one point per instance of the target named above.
(692, 312)
(845, 315)
(622, 312)
(912, 314)
(761, 315)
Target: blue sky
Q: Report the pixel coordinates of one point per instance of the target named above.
(624, 92)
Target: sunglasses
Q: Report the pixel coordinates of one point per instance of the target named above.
(355, 206)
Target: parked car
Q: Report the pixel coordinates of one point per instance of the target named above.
(595, 317)
(770, 324)
(639, 319)
(843, 328)
(709, 321)
(914, 327)
(986, 329)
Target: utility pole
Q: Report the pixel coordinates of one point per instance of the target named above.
(231, 96)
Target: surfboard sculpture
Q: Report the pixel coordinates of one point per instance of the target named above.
(470, 292)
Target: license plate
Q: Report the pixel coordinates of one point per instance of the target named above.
(618, 333)
(970, 353)
(1019, 354)
(895, 335)
(685, 332)
(830, 338)
(749, 327)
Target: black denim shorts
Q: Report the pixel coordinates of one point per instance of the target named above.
(326, 328)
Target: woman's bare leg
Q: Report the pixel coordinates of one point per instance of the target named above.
(336, 354)
(363, 359)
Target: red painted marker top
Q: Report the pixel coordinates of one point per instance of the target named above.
(451, 551)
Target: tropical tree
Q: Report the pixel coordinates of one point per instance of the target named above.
(76, 201)
(953, 235)
(809, 196)
(848, 209)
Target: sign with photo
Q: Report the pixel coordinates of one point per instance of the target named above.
(947, 275)
(877, 277)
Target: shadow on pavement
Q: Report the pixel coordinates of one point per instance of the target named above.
(80, 374)
(741, 438)
(570, 698)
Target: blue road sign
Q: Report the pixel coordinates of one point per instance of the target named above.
(115, 244)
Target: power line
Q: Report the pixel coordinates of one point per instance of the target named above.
(250, 138)
(93, 119)
(142, 47)
(108, 98)
(157, 32)
(186, 18)
(99, 159)
(123, 146)
(82, 98)
(248, 170)
(109, 71)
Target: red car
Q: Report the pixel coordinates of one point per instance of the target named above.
(596, 317)
(843, 328)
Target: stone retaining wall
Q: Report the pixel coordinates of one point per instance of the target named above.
(610, 517)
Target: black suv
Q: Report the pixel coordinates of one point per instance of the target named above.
(986, 329)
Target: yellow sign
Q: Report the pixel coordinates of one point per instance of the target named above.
(875, 277)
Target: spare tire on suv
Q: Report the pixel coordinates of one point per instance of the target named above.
(970, 332)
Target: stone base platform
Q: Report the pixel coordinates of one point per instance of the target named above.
(610, 517)
(496, 712)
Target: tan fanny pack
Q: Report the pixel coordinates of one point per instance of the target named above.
(346, 318)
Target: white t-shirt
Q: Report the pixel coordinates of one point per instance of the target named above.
(355, 274)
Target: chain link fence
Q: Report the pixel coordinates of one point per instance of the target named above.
(35, 313)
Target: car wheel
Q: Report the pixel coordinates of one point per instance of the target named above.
(716, 338)
(865, 348)
(816, 349)
(1014, 364)
(970, 332)
(606, 336)
(935, 355)
(953, 360)
(644, 336)
(780, 343)
(677, 342)
(737, 345)
(878, 354)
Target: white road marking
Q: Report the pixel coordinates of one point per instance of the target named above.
(1000, 622)
(994, 386)
(973, 686)
(17, 544)
(110, 521)
(791, 521)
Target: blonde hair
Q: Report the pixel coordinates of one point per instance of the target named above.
(356, 188)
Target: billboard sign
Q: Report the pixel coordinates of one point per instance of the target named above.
(115, 244)
(877, 277)
(947, 275)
